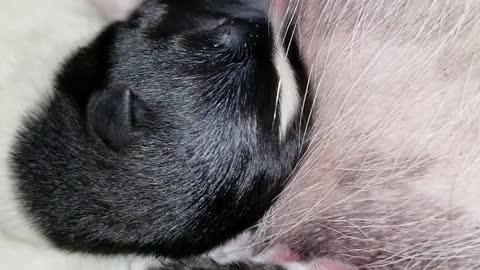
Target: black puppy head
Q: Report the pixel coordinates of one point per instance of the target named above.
(165, 135)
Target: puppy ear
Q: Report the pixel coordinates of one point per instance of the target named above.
(113, 114)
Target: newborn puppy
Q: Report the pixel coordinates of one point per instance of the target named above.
(170, 133)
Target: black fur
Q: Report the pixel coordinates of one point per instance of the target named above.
(160, 136)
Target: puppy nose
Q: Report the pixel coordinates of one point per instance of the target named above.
(241, 31)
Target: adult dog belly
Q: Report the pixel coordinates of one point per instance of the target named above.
(391, 179)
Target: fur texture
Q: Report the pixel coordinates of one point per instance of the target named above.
(159, 137)
(390, 180)
(116, 10)
(32, 49)
(391, 177)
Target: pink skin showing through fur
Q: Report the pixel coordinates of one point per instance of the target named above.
(277, 11)
(329, 265)
(285, 256)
